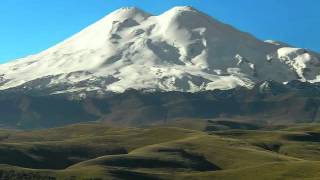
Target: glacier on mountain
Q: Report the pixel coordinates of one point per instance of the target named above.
(180, 50)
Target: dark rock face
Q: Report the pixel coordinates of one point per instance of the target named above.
(267, 102)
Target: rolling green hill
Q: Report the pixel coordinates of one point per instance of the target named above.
(177, 150)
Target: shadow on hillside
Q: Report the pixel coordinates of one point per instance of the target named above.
(309, 137)
(131, 175)
(51, 157)
(228, 125)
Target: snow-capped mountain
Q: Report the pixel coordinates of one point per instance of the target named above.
(179, 50)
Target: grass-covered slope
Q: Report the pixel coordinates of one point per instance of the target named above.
(178, 150)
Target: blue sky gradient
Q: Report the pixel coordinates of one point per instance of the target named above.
(27, 27)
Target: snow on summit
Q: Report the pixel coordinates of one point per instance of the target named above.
(180, 50)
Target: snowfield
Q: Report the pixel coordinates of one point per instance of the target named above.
(179, 50)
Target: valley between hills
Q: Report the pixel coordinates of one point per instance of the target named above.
(181, 149)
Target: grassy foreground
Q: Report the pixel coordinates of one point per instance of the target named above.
(179, 150)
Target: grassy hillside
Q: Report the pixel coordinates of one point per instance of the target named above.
(178, 150)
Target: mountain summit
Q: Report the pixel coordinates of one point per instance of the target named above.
(180, 50)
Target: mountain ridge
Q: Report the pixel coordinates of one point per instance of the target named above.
(181, 49)
(269, 102)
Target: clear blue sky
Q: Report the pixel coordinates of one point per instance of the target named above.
(29, 26)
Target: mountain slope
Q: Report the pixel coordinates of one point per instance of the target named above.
(269, 102)
(179, 50)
